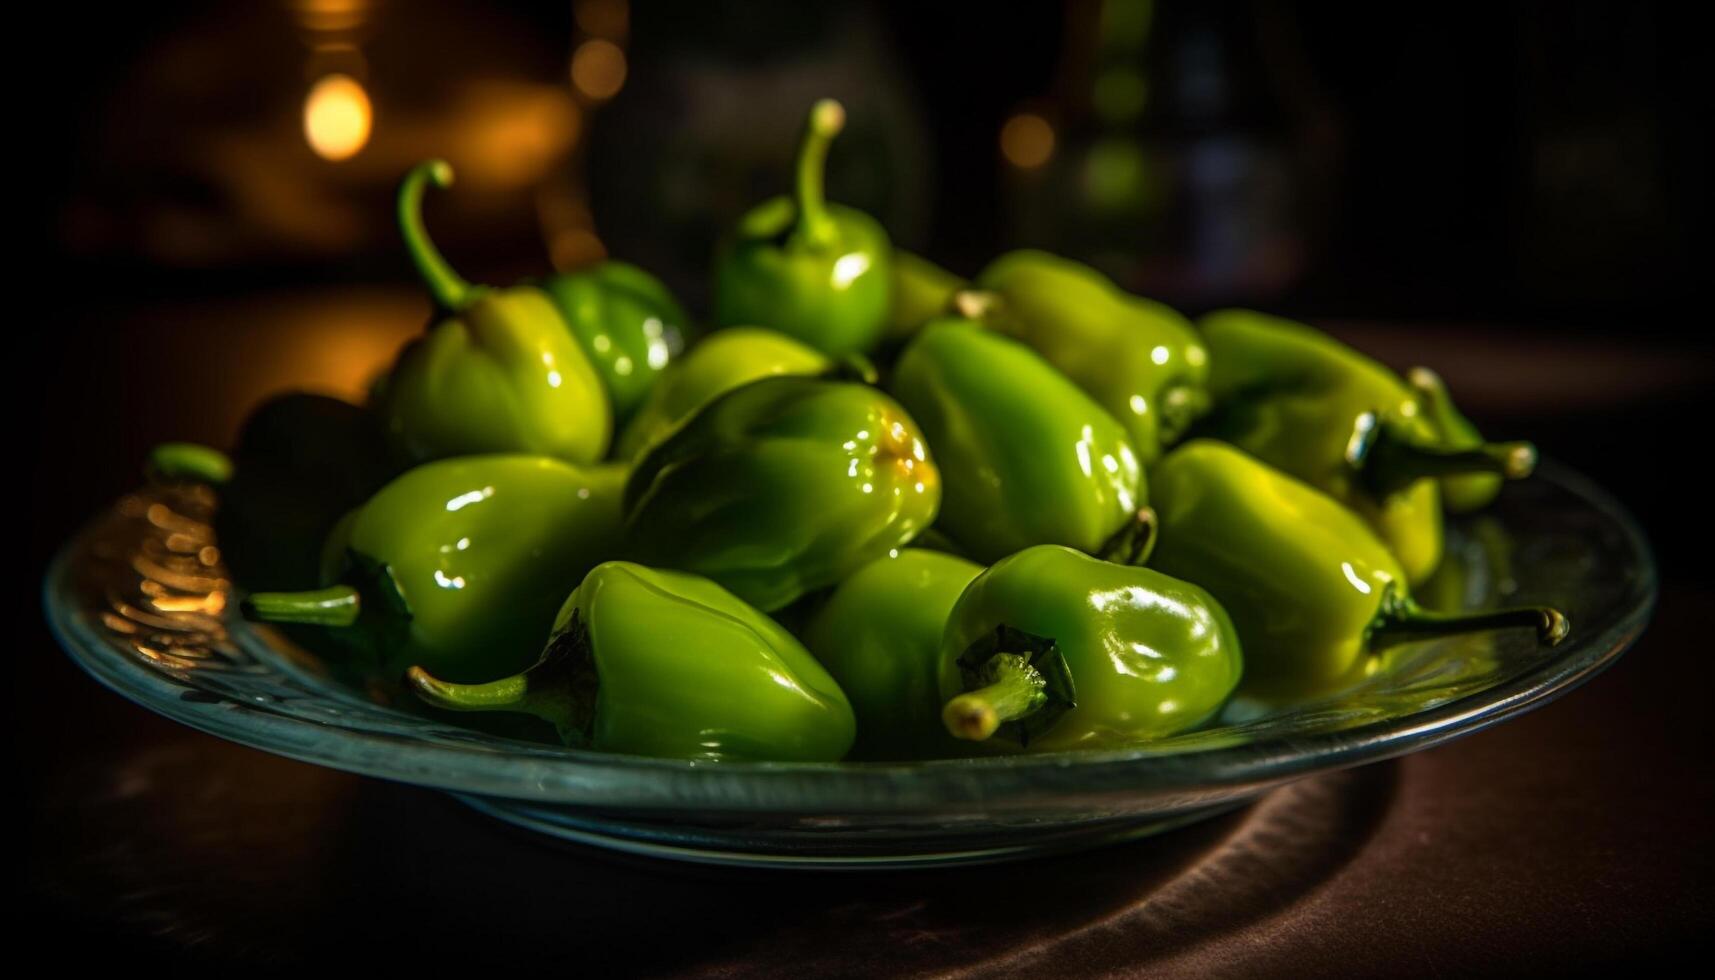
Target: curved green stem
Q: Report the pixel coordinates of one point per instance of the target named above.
(1403, 621)
(190, 461)
(827, 118)
(337, 605)
(450, 291)
(1391, 462)
(560, 689)
(1013, 690)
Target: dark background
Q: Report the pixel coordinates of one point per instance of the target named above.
(1513, 193)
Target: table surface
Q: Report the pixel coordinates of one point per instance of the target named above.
(1566, 839)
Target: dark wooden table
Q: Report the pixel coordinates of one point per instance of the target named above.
(1566, 840)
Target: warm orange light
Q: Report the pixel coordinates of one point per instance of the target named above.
(337, 117)
(598, 69)
(1027, 140)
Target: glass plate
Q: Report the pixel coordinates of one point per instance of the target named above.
(140, 601)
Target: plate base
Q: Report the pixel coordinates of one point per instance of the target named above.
(862, 847)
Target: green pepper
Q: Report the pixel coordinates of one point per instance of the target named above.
(879, 635)
(781, 487)
(460, 564)
(727, 359)
(1141, 360)
(500, 372)
(1464, 492)
(1305, 403)
(1051, 649)
(630, 326)
(667, 664)
(1027, 457)
(817, 271)
(1314, 593)
(300, 463)
(921, 291)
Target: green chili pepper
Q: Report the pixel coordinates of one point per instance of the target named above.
(1326, 414)
(1139, 359)
(1465, 492)
(301, 462)
(879, 635)
(727, 359)
(1051, 649)
(1027, 457)
(817, 271)
(921, 291)
(1314, 593)
(782, 486)
(630, 326)
(460, 564)
(667, 664)
(499, 373)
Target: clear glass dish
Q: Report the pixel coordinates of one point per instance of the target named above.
(139, 600)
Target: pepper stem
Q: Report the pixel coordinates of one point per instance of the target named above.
(975, 304)
(1391, 462)
(1013, 690)
(1133, 542)
(827, 118)
(449, 290)
(190, 461)
(337, 605)
(560, 689)
(1403, 621)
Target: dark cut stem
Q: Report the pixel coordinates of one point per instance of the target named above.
(337, 605)
(190, 461)
(1134, 541)
(1013, 690)
(852, 367)
(1391, 462)
(1403, 621)
(560, 689)
(449, 290)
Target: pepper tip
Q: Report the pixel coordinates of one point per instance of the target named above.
(1554, 627)
(969, 718)
(1520, 460)
(828, 116)
(440, 172)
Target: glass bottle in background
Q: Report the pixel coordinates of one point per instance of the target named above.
(1185, 151)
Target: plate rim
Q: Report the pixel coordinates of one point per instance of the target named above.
(588, 778)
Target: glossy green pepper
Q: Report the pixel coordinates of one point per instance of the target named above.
(1139, 359)
(879, 635)
(782, 486)
(1464, 492)
(460, 564)
(1051, 649)
(819, 272)
(921, 291)
(727, 359)
(1305, 403)
(300, 463)
(667, 664)
(1026, 456)
(1314, 593)
(630, 326)
(500, 372)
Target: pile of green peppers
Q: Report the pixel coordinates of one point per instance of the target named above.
(874, 510)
